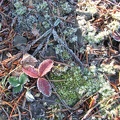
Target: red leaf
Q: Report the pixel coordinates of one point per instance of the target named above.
(30, 71)
(44, 86)
(45, 67)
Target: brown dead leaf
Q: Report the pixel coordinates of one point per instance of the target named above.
(117, 67)
(8, 62)
(35, 31)
(28, 60)
(1, 73)
(17, 72)
(114, 85)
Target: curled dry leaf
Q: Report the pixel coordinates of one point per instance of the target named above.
(44, 86)
(45, 67)
(35, 31)
(93, 101)
(30, 71)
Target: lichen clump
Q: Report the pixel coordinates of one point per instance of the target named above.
(20, 9)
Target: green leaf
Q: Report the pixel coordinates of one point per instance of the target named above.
(23, 79)
(13, 81)
(17, 89)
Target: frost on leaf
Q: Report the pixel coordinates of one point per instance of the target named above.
(45, 67)
(44, 86)
(30, 71)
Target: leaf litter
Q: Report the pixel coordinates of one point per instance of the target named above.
(79, 37)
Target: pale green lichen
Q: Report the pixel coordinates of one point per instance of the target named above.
(116, 15)
(46, 25)
(71, 33)
(31, 20)
(91, 35)
(17, 5)
(114, 25)
(66, 7)
(89, 31)
(73, 39)
(41, 6)
(20, 9)
(59, 50)
(107, 68)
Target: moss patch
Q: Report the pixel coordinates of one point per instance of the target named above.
(74, 84)
(68, 88)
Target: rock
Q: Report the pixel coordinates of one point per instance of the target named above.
(19, 42)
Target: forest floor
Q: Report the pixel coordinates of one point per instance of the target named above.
(59, 60)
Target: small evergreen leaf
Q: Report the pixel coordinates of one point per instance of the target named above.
(30, 71)
(45, 67)
(17, 89)
(44, 86)
(13, 81)
(23, 79)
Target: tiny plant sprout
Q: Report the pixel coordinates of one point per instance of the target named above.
(42, 84)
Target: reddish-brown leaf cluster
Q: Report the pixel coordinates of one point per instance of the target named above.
(42, 84)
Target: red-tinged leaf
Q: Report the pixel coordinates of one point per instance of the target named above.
(30, 71)
(44, 86)
(45, 67)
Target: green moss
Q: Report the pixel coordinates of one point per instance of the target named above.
(68, 89)
(74, 85)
